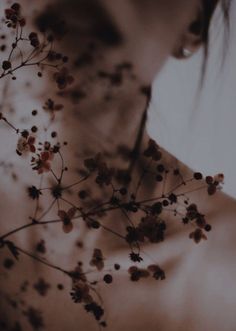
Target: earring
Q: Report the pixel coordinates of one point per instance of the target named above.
(186, 52)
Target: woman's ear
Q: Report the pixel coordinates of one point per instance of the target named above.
(196, 34)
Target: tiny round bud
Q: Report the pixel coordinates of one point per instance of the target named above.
(160, 168)
(123, 191)
(211, 189)
(108, 278)
(208, 227)
(197, 176)
(82, 194)
(16, 6)
(65, 59)
(209, 180)
(165, 203)
(176, 172)
(6, 65)
(34, 129)
(60, 287)
(159, 178)
(116, 266)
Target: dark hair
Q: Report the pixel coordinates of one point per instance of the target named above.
(208, 10)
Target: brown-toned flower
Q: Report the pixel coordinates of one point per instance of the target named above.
(13, 16)
(34, 41)
(42, 287)
(63, 78)
(26, 144)
(80, 293)
(51, 107)
(42, 162)
(197, 236)
(97, 259)
(153, 151)
(152, 228)
(66, 218)
(105, 174)
(137, 273)
(219, 178)
(157, 272)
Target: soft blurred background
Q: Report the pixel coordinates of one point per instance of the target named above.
(197, 123)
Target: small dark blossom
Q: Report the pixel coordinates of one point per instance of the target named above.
(56, 191)
(211, 189)
(105, 174)
(134, 235)
(197, 235)
(197, 176)
(42, 287)
(152, 228)
(13, 249)
(8, 263)
(35, 318)
(172, 198)
(52, 107)
(34, 193)
(157, 272)
(34, 41)
(66, 218)
(40, 247)
(153, 151)
(137, 273)
(97, 259)
(156, 208)
(92, 163)
(95, 309)
(135, 257)
(63, 78)
(80, 293)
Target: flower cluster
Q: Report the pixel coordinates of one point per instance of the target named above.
(81, 293)
(34, 40)
(13, 16)
(138, 273)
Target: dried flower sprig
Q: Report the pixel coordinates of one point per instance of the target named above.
(32, 50)
(120, 190)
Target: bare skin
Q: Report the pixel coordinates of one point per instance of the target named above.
(198, 293)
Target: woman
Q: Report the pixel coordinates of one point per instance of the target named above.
(198, 292)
